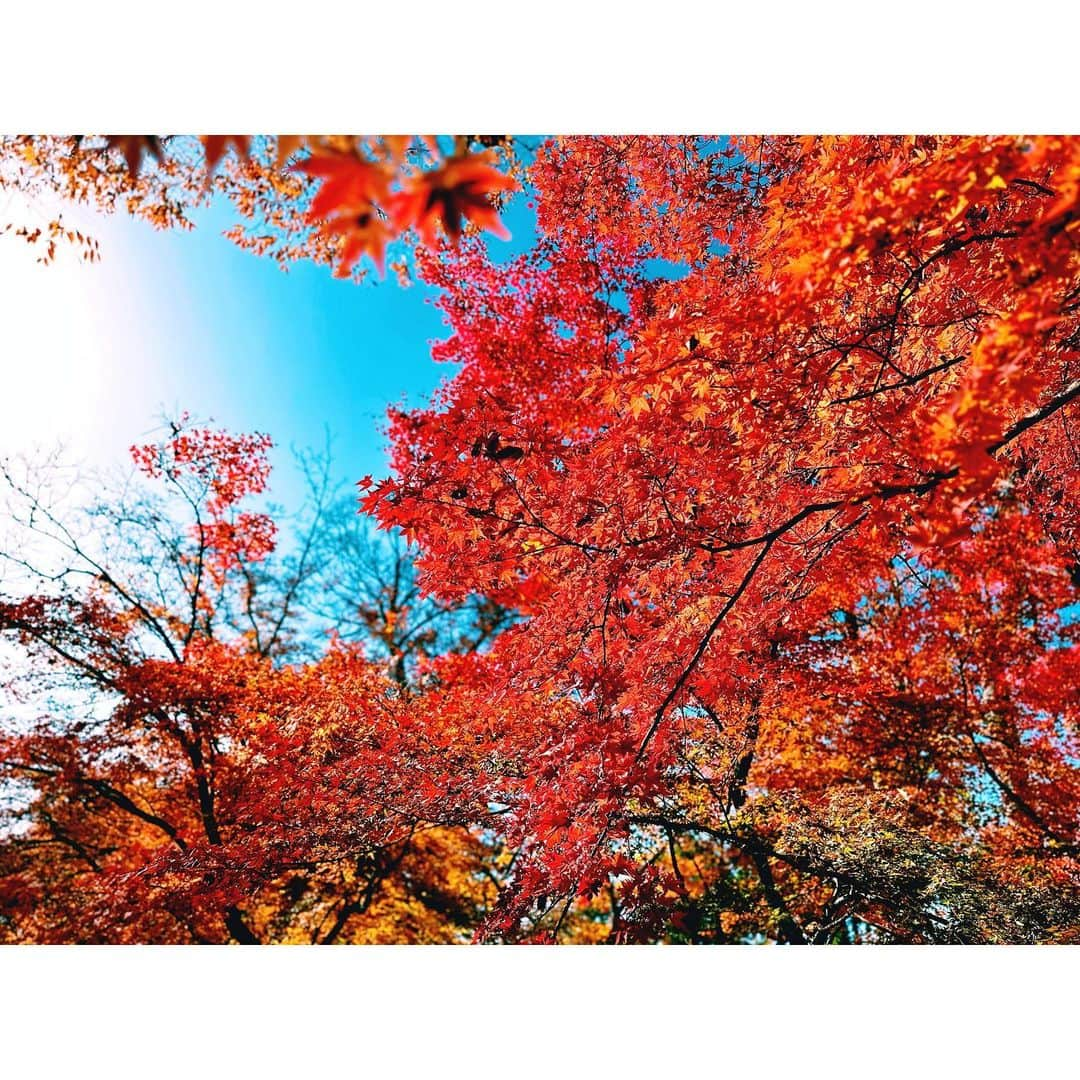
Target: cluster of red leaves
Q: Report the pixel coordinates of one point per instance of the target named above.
(357, 204)
(216, 470)
(227, 467)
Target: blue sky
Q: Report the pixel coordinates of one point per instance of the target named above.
(185, 320)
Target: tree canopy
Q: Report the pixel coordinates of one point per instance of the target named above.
(752, 505)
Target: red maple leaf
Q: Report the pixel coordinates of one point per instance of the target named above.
(345, 207)
(459, 190)
(363, 232)
(348, 183)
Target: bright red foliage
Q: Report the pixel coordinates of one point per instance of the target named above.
(217, 471)
(866, 370)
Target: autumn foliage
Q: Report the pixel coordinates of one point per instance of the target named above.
(770, 444)
(330, 198)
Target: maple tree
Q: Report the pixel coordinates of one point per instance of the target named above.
(861, 377)
(192, 761)
(770, 445)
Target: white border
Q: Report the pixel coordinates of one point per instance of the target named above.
(568, 67)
